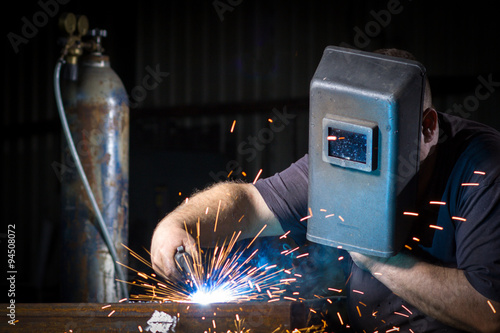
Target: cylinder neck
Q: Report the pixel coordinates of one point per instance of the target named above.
(96, 59)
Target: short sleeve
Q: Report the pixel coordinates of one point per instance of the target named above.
(285, 193)
(478, 240)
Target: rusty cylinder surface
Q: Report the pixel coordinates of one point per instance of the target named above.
(97, 109)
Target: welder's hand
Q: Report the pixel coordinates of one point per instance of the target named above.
(166, 239)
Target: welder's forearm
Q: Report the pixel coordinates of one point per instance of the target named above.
(442, 293)
(219, 211)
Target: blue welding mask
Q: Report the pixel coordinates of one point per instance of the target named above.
(364, 135)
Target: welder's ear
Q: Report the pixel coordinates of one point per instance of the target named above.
(429, 124)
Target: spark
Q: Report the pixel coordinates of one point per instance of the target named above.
(402, 314)
(106, 306)
(491, 306)
(329, 215)
(232, 127)
(288, 280)
(217, 216)
(392, 329)
(124, 299)
(435, 227)
(305, 218)
(340, 318)
(416, 239)
(302, 255)
(257, 177)
(341, 218)
(336, 290)
(111, 313)
(140, 328)
(290, 251)
(470, 184)
(480, 173)
(357, 291)
(408, 247)
(442, 203)
(404, 307)
(258, 234)
(410, 213)
(458, 218)
(359, 311)
(331, 138)
(285, 234)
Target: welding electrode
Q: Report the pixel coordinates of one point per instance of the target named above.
(184, 262)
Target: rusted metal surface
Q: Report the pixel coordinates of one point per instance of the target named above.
(259, 317)
(98, 115)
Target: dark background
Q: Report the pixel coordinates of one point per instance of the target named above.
(255, 57)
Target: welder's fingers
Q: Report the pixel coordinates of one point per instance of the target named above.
(161, 264)
(164, 244)
(190, 247)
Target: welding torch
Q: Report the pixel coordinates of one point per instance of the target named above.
(184, 263)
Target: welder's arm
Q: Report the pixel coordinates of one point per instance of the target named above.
(221, 210)
(442, 293)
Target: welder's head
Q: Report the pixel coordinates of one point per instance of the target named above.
(430, 126)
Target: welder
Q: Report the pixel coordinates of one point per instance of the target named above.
(446, 278)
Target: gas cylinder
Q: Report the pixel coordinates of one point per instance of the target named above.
(97, 111)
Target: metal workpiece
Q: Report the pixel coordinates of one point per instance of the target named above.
(258, 317)
(365, 125)
(97, 111)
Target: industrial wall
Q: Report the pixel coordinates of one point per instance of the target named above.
(193, 68)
